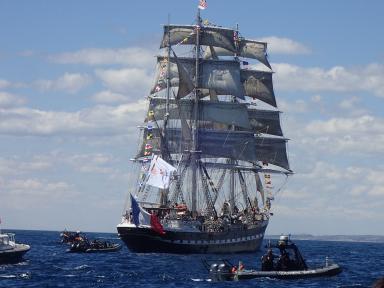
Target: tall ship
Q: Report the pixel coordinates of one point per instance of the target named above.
(209, 145)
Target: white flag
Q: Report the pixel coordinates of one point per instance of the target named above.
(160, 173)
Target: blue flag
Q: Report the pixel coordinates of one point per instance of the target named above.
(135, 210)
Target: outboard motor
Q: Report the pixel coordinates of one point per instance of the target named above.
(224, 272)
(213, 272)
(220, 272)
(213, 268)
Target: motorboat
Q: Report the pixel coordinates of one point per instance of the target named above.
(10, 251)
(289, 265)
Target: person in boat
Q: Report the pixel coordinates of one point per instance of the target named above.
(66, 236)
(78, 237)
(267, 263)
(284, 263)
(298, 263)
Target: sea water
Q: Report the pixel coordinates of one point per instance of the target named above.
(48, 264)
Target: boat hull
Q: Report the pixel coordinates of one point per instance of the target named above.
(14, 255)
(225, 271)
(146, 240)
(113, 248)
(326, 271)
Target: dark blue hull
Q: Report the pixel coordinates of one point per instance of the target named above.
(145, 240)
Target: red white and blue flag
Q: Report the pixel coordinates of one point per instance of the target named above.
(141, 217)
(202, 4)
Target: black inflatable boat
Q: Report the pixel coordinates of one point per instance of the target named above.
(95, 246)
(290, 265)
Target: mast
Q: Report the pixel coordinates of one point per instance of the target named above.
(232, 162)
(194, 156)
(168, 73)
(168, 91)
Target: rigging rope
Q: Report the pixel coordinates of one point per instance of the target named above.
(243, 188)
(209, 201)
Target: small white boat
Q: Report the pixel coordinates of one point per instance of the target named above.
(10, 251)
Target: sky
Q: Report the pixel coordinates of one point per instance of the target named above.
(74, 76)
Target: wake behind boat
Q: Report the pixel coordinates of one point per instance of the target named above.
(211, 134)
(10, 251)
(290, 265)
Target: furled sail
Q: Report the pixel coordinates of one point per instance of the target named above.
(209, 36)
(246, 48)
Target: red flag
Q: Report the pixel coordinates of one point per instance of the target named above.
(202, 4)
(156, 225)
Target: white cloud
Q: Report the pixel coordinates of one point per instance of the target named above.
(296, 106)
(4, 83)
(277, 45)
(7, 84)
(31, 186)
(27, 53)
(349, 103)
(316, 98)
(134, 56)
(16, 166)
(339, 79)
(130, 81)
(99, 120)
(42, 195)
(362, 135)
(9, 100)
(109, 97)
(365, 125)
(328, 190)
(69, 82)
(92, 163)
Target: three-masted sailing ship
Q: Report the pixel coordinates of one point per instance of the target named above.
(208, 148)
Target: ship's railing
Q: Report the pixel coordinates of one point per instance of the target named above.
(179, 224)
